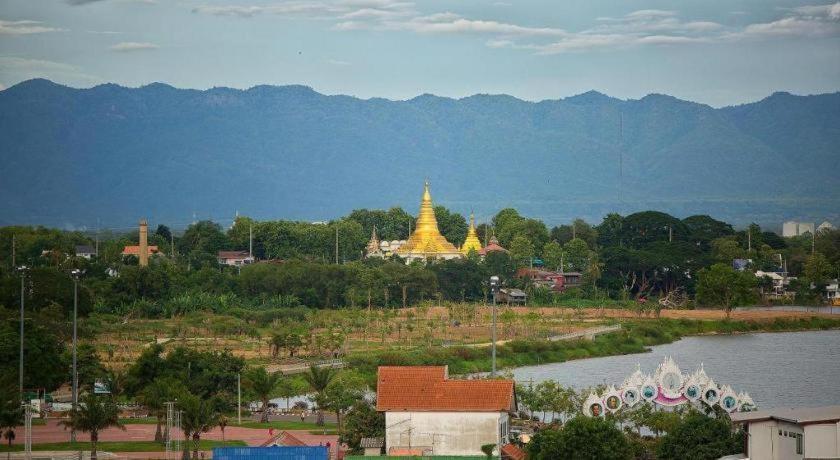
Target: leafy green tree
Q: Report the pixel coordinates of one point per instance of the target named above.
(198, 416)
(341, 393)
(642, 228)
(610, 231)
(155, 396)
(726, 249)
(576, 255)
(43, 352)
(722, 286)
(487, 450)
(521, 250)
(203, 237)
(581, 438)
(452, 226)
(263, 385)
(459, 279)
(92, 415)
(11, 414)
(703, 230)
(552, 255)
(499, 263)
(361, 421)
(318, 379)
(700, 437)
(817, 269)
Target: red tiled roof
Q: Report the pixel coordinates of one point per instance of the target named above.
(513, 452)
(490, 248)
(426, 388)
(135, 250)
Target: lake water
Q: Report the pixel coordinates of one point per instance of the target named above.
(789, 369)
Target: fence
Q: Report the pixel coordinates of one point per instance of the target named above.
(271, 453)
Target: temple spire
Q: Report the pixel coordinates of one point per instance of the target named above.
(472, 243)
(426, 240)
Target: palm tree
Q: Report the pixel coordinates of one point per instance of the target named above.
(263, 385)
(197, 416)
(11, 416)
(318, 378)
(92, 415)
(154, 397)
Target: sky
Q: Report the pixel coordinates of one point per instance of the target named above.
(718, 52)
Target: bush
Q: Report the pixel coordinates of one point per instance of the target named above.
(699, 437)
(582, 437)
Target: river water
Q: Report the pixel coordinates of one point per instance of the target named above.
(787, 369)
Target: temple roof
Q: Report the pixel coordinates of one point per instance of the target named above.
(426, 238)
(472, 243)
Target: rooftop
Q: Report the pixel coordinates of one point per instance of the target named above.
(802, 415)
(428, 388)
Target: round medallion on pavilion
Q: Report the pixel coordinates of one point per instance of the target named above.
(649, 391)
(711, 393)
(692, 391)
(630, 396)
(593, 406)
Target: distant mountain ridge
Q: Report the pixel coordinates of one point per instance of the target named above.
(72, 157)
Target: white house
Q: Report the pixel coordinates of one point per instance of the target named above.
(426, 413)
(792, 434)
(235, 258)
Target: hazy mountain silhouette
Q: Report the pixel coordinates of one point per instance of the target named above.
(72, 156)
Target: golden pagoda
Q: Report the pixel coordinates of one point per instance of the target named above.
(472, 243)
(426, 241)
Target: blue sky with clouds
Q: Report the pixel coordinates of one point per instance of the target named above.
(718, 52)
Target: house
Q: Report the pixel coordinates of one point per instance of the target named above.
(85, 251)
(511, 296)
(235, 258)
(334, 448)
(429, 414)
(832, 292)
(492, 245)
(782, 434)
(779, 283)
(825, 226)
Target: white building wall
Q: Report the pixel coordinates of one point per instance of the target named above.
(765, 442)
(790, 228)
(822, 441)
(445, 433)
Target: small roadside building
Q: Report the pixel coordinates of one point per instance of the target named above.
(234, 258)
(85, 251)
(791, 434)
(426, 413)
(512, 296)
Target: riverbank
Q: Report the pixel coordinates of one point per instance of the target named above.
(636, 336)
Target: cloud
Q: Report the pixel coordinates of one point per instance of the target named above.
(24, 28)
(133, 46)
(337, 62)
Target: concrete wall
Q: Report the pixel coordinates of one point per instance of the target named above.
(822, 441)
(766, 443)
(445, 433)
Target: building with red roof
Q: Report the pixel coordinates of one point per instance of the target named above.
(492, 245)
(426, 411)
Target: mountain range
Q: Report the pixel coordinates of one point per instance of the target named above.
(108, 155)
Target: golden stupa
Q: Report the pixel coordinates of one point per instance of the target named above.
(426, 242)
(472, 243)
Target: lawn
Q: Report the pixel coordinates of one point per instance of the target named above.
(117, 446)
(287, 425)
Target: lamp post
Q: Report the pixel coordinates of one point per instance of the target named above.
(76, 274)
(22, 271)
(494, 288)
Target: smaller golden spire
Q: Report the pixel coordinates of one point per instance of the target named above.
(472, 243)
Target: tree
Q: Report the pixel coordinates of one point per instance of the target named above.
(361, 421)
(552, 255)
(722, 286)
(452, 225)
(521, 250)
(155, 396)
(576, 254)
(198, 416)
(487, 450)
(11, 415)
(817, 269)
(318, 379)
(700, 437)
(582, 437)
(263, 385)
(92, 415)
(341, 393)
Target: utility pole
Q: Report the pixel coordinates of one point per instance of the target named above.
(670, 234)
(239, 398)
(76, 274)
(13, 251)
(813, 242)
(749, 239)
(494, 287)
(336, 244)
(251, 241)
(22, 271)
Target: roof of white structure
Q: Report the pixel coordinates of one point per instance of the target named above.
(802, 415)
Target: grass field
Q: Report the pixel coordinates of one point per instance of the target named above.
(116, 446)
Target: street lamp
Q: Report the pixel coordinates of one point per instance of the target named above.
(76, 274)
(494, 288)
(22, 271)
